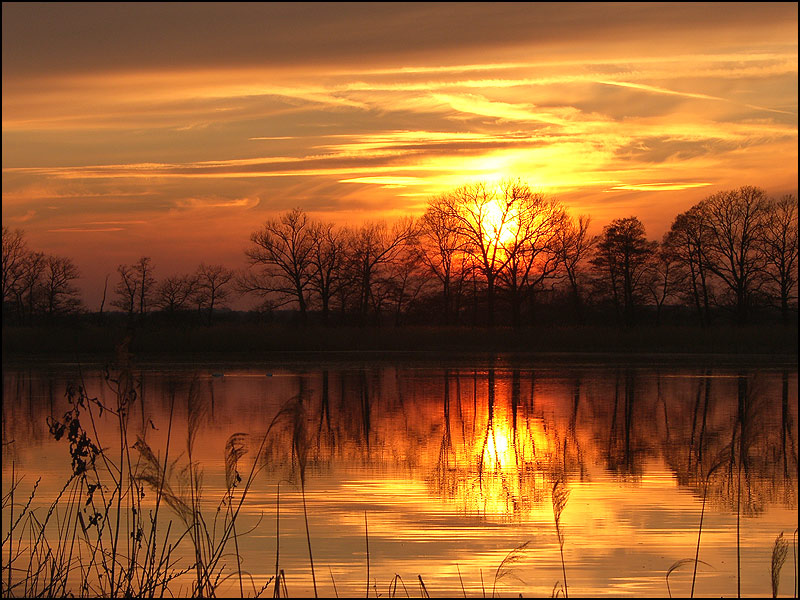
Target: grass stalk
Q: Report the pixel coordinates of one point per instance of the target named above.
(366, 536)
(308, 535)
(333, 581)
(277, 591)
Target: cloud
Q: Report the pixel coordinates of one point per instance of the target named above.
(659, 187)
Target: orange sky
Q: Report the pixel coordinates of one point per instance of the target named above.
(174, 130)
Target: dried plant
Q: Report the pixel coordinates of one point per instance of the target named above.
(504, 568)
(560, 496)
(779, 552)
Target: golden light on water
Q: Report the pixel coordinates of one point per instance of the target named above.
(459, 480)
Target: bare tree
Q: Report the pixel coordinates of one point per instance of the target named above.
(779, 246)
(689, 238)
(736, 221)
(126, 290)
(574, 247)
(374, 246)
(60, 296)
(530, 242)
(173, 293)
(14, 255)
(481, 220)
(663, 277)
(442, 250)
(143, 270)
(328, 259)
(213, 286)
(622, 255)
(283, 249)
(405, 280)
(29, 285)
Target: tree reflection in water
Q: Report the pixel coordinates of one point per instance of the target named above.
(491, 440)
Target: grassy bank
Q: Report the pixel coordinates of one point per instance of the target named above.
(240, 340)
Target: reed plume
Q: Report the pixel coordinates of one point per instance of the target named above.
(779, 552)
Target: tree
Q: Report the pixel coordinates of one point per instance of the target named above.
(126, 290)
(735, 221)
(481, 221)
(779, 247)
(29, 286)
(574, 247)
(213, 286)
(173, 293)
(688, 238)
(441, 249)
(14, 255)
(373, 247)
(328, 259)
(404, 280)
(529, 243)
(663, 276)
(622, 256)
(143, 270)
(60, 296)
(283, 249)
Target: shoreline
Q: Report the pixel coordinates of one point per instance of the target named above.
(270, 343)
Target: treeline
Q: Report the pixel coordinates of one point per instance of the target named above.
(480, 255)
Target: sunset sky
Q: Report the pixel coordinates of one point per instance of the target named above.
(174, 130)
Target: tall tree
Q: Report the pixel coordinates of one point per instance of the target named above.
(328, 259)
(283, 249)
(60, 295)
(664, 276)
(143, 271)
(442, 251)
(736, 220)
(529, 243)
(779, 246)
(126, 290)
(213, 286)
(622, 255)
(14, 255)
(29, 286)
(482, 219)
(574, 247)
(688, 238)
(373, 247)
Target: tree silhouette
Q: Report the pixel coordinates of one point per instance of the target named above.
(622, 256)
(574, 247)
(213, 287)
(481, 220)
(688, 238)
(283, 249)
(441, 248)
(373, 247)
(736, 221)
(15, 252)
(328, 259)
(779, 246)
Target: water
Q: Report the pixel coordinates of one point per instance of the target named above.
(446, 469)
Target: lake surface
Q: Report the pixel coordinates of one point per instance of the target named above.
(449, 470)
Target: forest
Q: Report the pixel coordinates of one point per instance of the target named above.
(480, 255)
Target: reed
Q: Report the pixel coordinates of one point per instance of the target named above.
(560, 496)
(504, 568)
(97, 537)
(779, 552)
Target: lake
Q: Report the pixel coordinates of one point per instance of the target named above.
(444, 476)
